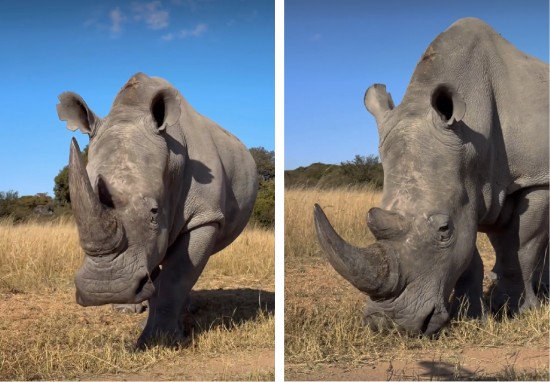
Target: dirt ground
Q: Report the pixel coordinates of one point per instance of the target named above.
(31, 322)
(315, 284)
(492, 364)
(249, 365)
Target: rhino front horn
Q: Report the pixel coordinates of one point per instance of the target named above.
(99, 230)
(373, 270)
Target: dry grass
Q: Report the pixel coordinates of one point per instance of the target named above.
(323, 312)
(44, 334)
(38, 256)
(347, 210)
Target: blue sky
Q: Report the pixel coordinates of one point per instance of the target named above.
(218, 53)
(334, 50)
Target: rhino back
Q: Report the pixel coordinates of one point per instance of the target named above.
(506, 96)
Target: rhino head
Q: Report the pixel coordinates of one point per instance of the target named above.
(425, 228)
(119, 201)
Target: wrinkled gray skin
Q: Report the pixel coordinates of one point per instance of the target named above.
(164, 189)
(465, 151)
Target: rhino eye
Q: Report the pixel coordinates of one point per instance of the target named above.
(153, 218)
(442, 226)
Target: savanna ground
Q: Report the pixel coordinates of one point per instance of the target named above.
(324, 337)
(44, 334)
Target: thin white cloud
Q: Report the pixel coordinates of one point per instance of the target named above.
(95, 17)
(188, 3)
(117, 18)
(167, 37)
(316, 37)
(253, 15)
(199, 30)
(152, 13)
(193, 5)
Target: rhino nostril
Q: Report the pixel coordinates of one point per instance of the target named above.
(147, 281)
(427, 321)
(142, 284)
(155, 273)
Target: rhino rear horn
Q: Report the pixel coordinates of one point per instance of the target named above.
(99, 230)
(386, 224)
(373, 270)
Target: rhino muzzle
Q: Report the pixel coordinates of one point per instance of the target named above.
(92, 289)
(373, 270)
(99, 229)
(428, 321)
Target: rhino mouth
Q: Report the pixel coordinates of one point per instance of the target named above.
(427, 322)
(434, 322)
(146, 288)
(104, 285)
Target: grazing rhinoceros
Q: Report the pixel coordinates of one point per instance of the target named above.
(465, 151)
(164, 189)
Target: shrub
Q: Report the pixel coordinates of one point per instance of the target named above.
(264, 209)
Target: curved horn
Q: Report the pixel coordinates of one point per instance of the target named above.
(386, 224)
(373, 270)
(98, 228)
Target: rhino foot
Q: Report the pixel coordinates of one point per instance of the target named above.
(167, 332)
(511, 301)
(171, 339)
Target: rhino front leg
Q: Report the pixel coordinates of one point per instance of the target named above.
(469, 289)
(182, 266)
(521, 248)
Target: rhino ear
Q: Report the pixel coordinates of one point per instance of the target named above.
(448, 104)
(378, 101)
(165, 108)
(78, 115)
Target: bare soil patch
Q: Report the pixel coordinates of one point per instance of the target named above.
(507, 363)
(240, 365)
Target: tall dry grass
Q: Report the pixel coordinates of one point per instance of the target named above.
(44, 334)
(346, 208)
(36, 256)
(323, 313)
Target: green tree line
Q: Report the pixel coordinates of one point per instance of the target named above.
(361, 170)
(20, 208)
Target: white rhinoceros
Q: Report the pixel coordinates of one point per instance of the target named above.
(164, 189)
(465, 151)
